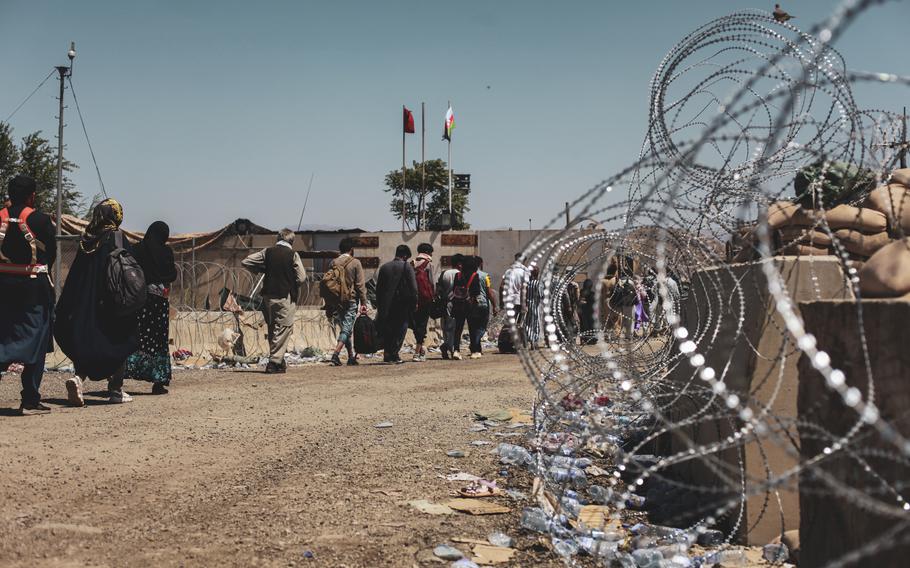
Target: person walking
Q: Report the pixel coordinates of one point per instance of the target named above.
(450, 343)
(152, 362)
(96, 339)
(283, 275)
(531, 300)
(396, 298)
(484, 307)
(346, 312)
(586, 299)
(28, 249)
(511, 287)
(426, 292)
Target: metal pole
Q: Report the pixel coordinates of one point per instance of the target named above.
(63, 71)
(423, 166)
(404, 171)
(904, 140)
(568, 220)
(451, 215)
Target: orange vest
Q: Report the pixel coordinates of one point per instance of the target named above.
(33, 269)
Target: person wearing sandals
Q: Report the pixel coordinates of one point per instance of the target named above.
(96, 340)
(346, 313)
(152, 362)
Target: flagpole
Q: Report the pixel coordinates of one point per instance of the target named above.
(451, 219)
(423, 165)
(404, 171)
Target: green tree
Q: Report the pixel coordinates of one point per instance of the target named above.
(36, 157)
(426, 202)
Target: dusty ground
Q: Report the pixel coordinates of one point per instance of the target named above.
(239, 468)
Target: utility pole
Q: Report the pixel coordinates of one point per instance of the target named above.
(64, 73)
(421, 225)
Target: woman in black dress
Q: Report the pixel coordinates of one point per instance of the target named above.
(152, 362)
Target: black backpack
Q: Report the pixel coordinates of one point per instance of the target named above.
(366, 339)
(125, 280)
(506, 343)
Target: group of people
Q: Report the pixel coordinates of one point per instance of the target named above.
(408, 297)
(103, 343)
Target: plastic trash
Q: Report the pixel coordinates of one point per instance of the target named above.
(727, 558)
(573, 475)
(647, 558)
(569, 462)
(514, 455)
(447, 552)
(455, 454)
(534, 519)
(565, 548)
(500, 539)
(464, 563)
(383, 425)
(775, 553)
(711, 537)
(600, 495)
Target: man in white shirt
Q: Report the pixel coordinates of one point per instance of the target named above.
(511, 286)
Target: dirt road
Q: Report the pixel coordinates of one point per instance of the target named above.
(244, 469)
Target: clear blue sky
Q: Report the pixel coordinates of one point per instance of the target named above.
(202, 112)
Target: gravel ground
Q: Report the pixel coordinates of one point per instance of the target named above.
(238, 468)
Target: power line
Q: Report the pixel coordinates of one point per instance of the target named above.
(41, 84)
(87, 141)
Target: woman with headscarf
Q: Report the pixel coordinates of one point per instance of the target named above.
(152, 362)
(88, 331)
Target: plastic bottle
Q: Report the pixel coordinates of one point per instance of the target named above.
(647, 558)
(565, 548)
(600, 494)
(514, 455)
(635, 501)
(500, 539)
(711, 537)
(729, 557)
(571, 475)
(534, 519)
(569, 462)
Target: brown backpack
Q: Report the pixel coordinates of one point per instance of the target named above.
(334, 288)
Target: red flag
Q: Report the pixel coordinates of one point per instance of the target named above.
(408, 121)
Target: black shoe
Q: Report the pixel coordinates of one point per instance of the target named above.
(33, 409)
(273, 369)
(158, 388)
(336, 360)
(353, 361)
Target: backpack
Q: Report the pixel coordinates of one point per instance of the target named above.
(460, 297)
(333, 288)
(425, 293)
(125, 280)
(366, 338)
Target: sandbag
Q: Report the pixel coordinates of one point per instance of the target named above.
(901, 176)
(804, 236)
(787, 214)
(861, 243)
(804, 250)
(894, 201)
(887, 273)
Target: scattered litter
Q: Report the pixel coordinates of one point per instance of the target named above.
(384, 425)
(477, 428)
(460, 476)
(501, 539)
(425, 506)
(480, 443)
(480, 488)
(516, 494)
(455, 453)
(507, 434)
(489, 554)
(595, 471)
(468, 540)
(496, 415)
(388, 493)
(597, 517)
(308, 554)
(464, 563)
(476, 507)
(447, 552)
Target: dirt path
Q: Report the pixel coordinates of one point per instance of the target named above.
(244, 469)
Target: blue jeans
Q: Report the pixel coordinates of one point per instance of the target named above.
(345, 318)
(478, 320)
(31, 381)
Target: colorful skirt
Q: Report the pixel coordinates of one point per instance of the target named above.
(153, 360)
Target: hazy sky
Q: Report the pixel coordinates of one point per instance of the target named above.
(202, 112)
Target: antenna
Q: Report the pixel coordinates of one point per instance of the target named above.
(305, 200)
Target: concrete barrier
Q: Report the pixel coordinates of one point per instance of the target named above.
(848, 499)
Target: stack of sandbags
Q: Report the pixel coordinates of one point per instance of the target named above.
(859, 230)
(901, 176)
(893, 199)
(887, 273)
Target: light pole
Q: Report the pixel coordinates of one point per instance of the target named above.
(64, 73)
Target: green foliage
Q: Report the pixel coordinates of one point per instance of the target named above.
(35, 157)
(831, 183)
(426, 202)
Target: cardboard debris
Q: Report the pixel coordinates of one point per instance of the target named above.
(480, 488)
(425, 506)
(487, 554)
(384, 425)
(496, 415)
(597, 517)
(476, 507)
(520, 416)
(468, 540)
